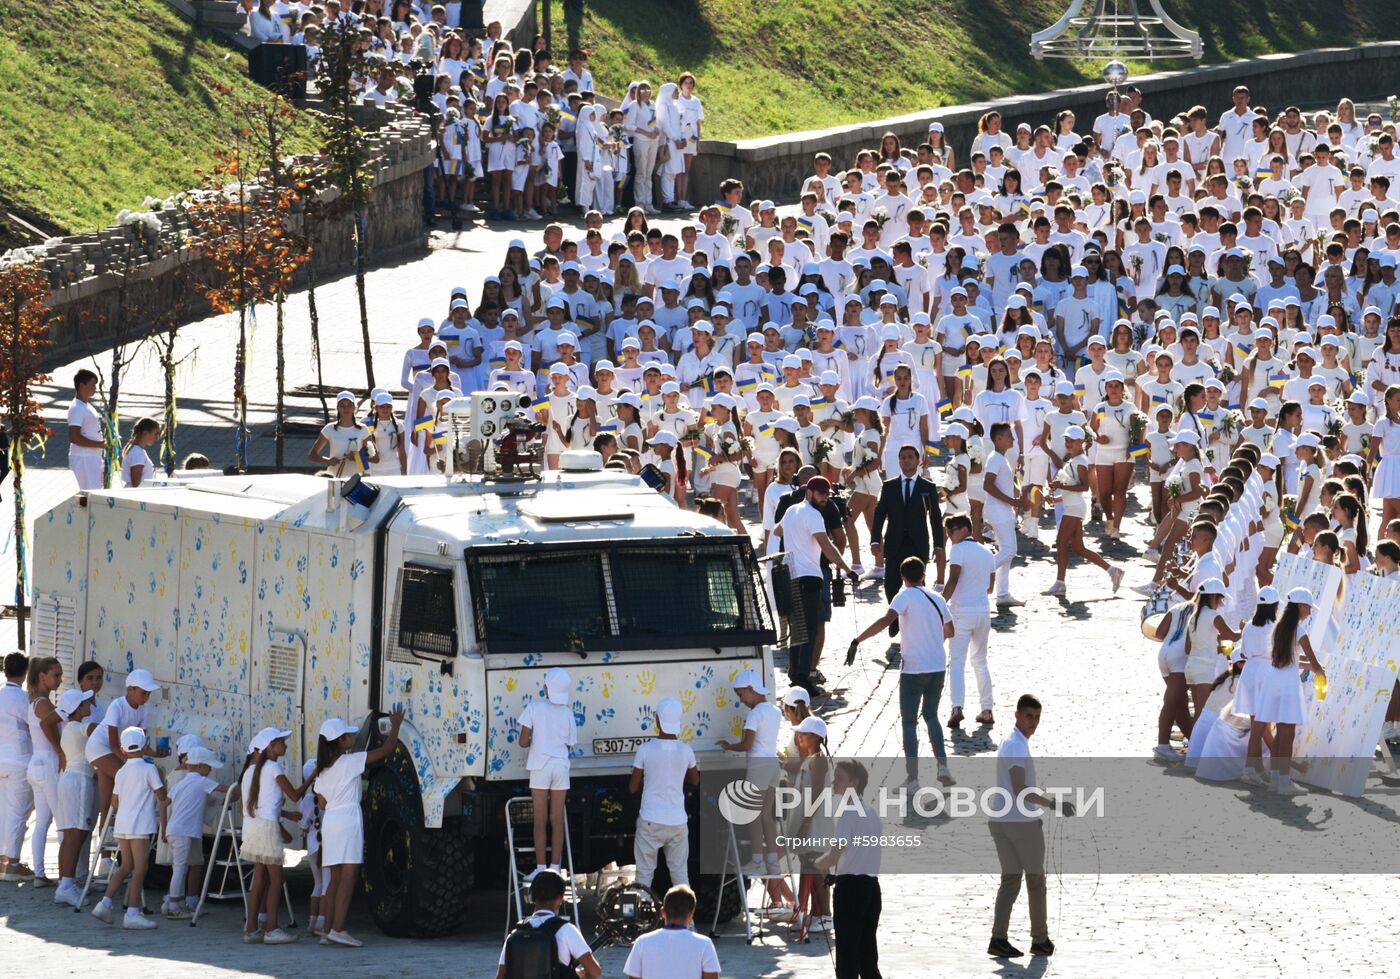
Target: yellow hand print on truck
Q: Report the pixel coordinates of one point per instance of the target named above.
(511, 683)
(608, 681)
(687, 698)
(736, 726)
(646, 682)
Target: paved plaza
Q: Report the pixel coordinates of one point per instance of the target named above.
(1085, 659)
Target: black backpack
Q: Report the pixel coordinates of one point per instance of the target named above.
(531, 952)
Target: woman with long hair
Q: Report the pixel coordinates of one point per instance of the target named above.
(1278, 699)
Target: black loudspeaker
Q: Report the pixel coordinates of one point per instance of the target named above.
(280, 67)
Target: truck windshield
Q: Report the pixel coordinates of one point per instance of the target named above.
(664, 594)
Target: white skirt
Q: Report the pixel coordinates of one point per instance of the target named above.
(342, 836)
(262, 841)
(1278, 696)
(1223, 756)
(1386, 485)
(1248, 683)
(1204, 667)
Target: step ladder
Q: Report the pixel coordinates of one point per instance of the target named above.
(226, 859)
(520, 814)
(733, 871)
(107, 846)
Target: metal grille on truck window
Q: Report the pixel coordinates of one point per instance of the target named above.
(691, 592)
(426, 612)
(550, 598)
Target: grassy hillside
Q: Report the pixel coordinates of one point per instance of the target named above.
(105, 102)
(782, 65)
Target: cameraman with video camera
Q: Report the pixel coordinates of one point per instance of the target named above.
(811, 522)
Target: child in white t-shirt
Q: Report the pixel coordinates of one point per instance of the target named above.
(662, 768)
(135, 790)
(136, 463)
(263, 785)
(548, 729)
(184, 829)
(760, 747)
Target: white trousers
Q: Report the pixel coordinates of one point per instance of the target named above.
(653, 837)
(86, 466)
(43, 785)
(970, 636)
(644, 165)
(16, 799)
(1004, 530)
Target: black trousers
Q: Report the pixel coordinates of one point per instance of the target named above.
(855, 911)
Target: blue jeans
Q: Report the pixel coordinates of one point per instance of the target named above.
(914, 687)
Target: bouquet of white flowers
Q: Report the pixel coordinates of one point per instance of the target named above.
(881, 217)
(976, 452)
(1175, 486)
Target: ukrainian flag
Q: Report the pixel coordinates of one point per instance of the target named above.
(704, 453)
(1100, 412)
(1159, 399)
(964, 371)
(1278, 380)
(748, 384)
(589, 321)
(540, 405)
(805, 221)
(708, 383)
(568, 115)
(933, 449)
(424, 425)
(1079, 390)
(1242, 349)
(944, 406)
(724, 207)
(1290, 522)
(496, 362)
(440, 438)
(609, 427)
(1138, 451)
(1207, 417)
(1262, 172)
(839, 344)
(821, 402)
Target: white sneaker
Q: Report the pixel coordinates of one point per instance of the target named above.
(773, 865)
(343, 938)
(1256, 778)
(1283, 785)
(816, 926)
(471, 209)
(530, 877)
(1008, 601)
(560, 871)
(871, 574)
(859, 569)
(754, 868)
(1057, 589)
(138, 922)
(102, 913)
(68, 894)
(1152, 554)
(945, 777)
(1165, 754)
(177, 912)
(1115, 575)
(278, 936)
(253, 937)
(1148, 589)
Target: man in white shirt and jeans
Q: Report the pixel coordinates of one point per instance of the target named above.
(971, 573)
(1019, 836)
(660, 772)
(856, 901)
(924, 624)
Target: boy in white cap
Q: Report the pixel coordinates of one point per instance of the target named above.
(660, 772)
(137, 787)
(760, 747)
(548, 729)
(184, 830)
(103, 748)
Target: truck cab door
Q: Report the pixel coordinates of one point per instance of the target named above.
(279, 674)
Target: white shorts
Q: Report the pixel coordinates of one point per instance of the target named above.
(554, 776)
(1171, 658)
(77, 802)
(765, 773)
(1037, 469)
(1204, 669)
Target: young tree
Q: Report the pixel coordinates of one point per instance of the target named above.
(241, 228)
(346, 146)
(24, 342)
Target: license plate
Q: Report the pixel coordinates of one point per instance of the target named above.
(618, 746)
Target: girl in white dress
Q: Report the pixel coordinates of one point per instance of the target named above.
(389, 457)
(77, 791)
(339, 445)
(905, 415)
(1204, 630)
(864, 476)
(1113, 464)
(1278, 699)
(262, 786)
(1385, 448)
(1254, 646)
(724, 451)
(45, 677)
(1187, 481)
(1073, 483)
(338, 778)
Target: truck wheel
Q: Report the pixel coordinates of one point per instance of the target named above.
(707, 894)
(416, 879)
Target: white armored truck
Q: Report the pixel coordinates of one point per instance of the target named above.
(287, 599)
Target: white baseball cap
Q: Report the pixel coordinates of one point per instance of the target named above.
(557, 684)
(143, 680)
(133, 739)
(811, 725)
(1186, 438)
(187, 743)
(1301, 596)
(335, 727)
(751, 679)
(1212, 586)
(795, 696)
(70, 700)
(266, 736)
(1075, 432)
(203, 756)
(668, 715)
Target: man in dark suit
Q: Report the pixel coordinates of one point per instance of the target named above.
(909, 505)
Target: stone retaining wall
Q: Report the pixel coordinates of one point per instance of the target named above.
(86, 271)
(775, 166)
